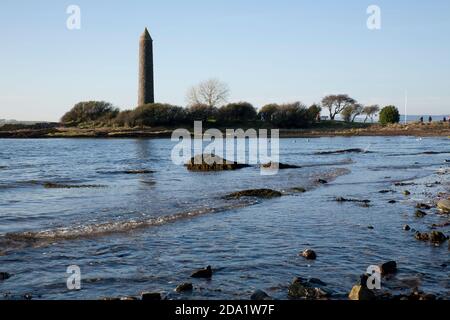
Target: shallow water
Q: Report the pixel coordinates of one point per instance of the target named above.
(147, 232)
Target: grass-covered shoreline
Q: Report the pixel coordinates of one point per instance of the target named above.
(322, 129)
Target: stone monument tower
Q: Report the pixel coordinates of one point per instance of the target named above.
(146, 85)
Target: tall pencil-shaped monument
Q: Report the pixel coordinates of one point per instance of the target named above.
(146, 84)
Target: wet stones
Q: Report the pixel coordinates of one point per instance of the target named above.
(184, 287)
(260, 295)
(422, 236)
(361, 293)
(210, 162)
(388, 268)
(444, 206)
(4, 276)
(307, 289)
(437, 237)
(309, 254)
(203, 273)
(423, 206)
(256, 193)
(151, 296)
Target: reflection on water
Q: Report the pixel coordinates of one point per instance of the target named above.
(152, 222)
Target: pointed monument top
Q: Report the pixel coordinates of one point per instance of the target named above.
(146, 35)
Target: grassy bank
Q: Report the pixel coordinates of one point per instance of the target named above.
(322, 129)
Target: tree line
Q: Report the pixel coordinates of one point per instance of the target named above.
(207, 103)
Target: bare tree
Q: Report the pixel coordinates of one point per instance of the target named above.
(211, 93)
(370, 112)
(337, 103)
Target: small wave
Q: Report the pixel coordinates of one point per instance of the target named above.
(344, 151)
(423, 153)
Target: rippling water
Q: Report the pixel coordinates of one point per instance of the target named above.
(131, 232)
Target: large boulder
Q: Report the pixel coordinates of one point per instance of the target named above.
(309, 254)
(210, 162)
(203, 273)
(311, 289)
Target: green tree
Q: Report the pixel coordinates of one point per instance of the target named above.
(389, 114)
(88, 112)
(266, 112)
(314, 112)
(292, 115)
(337, 103)
(237, 112)
(201, 112)
(350, 112)
(158, 114)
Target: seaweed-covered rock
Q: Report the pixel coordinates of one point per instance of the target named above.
(420, 214)
(361, 293)
(210, 162)
(437, 237)
(307, 289)
(422, 236)
(423, 206)
(256, 193)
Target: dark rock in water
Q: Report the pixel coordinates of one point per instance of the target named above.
(422, 236)
(423, 206)
(354, 150)
(184, 287)
(361, 293)
(386, 191)
(309, 254)
(298, 190)
(203, 273)
(144, 171)
(151, 296)
(51, 185)
(4, 276)
(406, 193)
(420, 214)
(322, 181)
(404, 184)
(437, 237)
(307, 289)
(417, 295)
(257, 193)
(209, 162)
(280, 166)
(388, 268)
(341, 199)
(392, 201)
(260, 295)
(370, 227)
(406, 228)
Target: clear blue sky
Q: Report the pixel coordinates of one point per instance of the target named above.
(267, 51)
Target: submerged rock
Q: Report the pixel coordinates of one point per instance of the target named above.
(353, 150)
(307, 289)
(298, 190)
(203, 273)
(151, 296)
(406, 193)
(51, 185)
(4, 276)
(322, 181)
(260, 295)
(257, 193)
(342, 199)
(388, 268)
(184, 287)
(406, 227)
(143, 171)
(444, 206)
(361, 293)
(392, 201)
(309, 254)
(385, 191)
(423, 206)
(210, 162)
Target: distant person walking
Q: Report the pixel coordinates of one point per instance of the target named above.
(421, 119)
(445, 119)
(430, 119)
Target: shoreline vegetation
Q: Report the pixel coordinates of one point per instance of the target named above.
(317, 130)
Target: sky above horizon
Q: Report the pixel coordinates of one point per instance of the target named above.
(266, 51)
